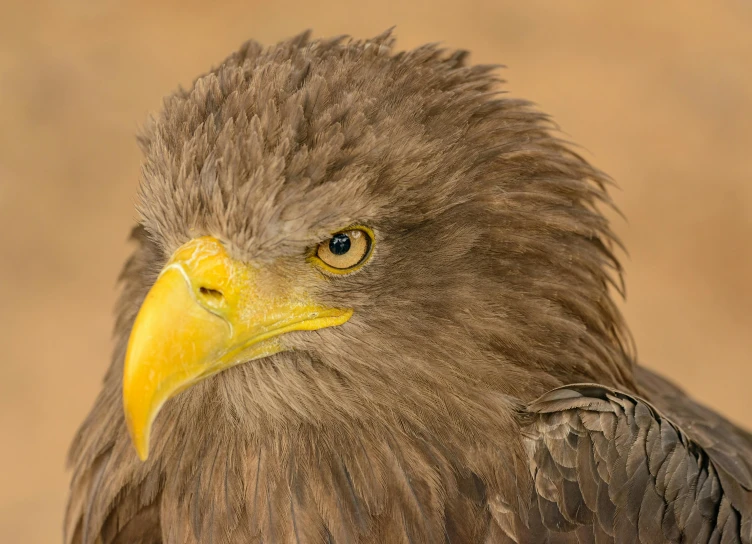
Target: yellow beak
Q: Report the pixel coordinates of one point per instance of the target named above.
(205, 313)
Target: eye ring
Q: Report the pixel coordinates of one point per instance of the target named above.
(345, 251)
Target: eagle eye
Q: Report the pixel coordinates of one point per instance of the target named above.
(345, 251)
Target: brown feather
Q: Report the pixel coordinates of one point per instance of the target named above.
(489, 287)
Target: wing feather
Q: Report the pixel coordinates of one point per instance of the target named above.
(611, 467)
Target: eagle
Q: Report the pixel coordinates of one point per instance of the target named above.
(372, 300)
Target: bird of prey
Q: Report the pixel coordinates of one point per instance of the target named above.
(371, 302)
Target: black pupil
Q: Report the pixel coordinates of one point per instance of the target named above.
(339, 244)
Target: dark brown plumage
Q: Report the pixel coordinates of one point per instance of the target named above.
(417, 419)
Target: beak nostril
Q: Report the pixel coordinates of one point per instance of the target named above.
(211, 294)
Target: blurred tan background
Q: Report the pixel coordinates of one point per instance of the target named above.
(659, 94)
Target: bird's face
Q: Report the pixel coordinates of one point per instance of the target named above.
(359, 231)
(208, 311)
